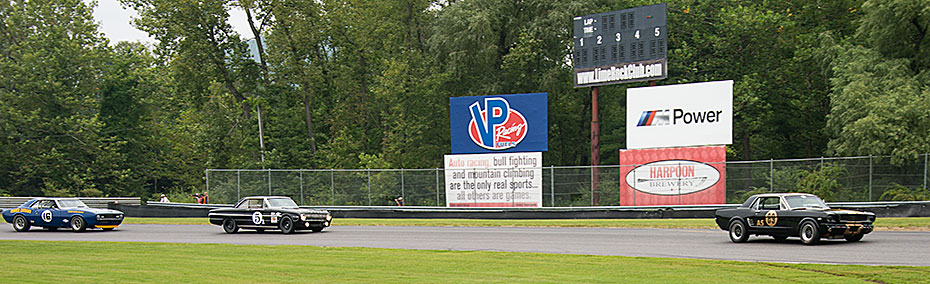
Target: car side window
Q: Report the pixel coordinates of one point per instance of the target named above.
(771, 203)
(43, 204)
(243, 205)
(255, 204)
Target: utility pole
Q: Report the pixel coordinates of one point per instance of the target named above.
(595, 148)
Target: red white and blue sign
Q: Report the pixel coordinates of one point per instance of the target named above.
(499, 124)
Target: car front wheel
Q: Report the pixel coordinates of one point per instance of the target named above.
(286, 225)
(229, 225)
(20, 224)
(78, 224)
(738, 233)
(809, 233)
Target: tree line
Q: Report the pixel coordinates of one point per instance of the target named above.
(365, 84)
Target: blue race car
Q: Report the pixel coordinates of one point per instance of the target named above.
(54, 213)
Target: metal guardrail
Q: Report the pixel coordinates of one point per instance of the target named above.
(883, 209)
(93, 202)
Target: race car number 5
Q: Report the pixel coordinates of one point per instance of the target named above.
(257, 218)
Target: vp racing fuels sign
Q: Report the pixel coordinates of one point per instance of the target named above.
(499, 124)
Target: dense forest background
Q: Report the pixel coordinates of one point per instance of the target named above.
(365, 84)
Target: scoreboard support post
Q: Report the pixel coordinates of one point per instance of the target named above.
(595, 148)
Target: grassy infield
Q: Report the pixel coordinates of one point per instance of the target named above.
(35, 261)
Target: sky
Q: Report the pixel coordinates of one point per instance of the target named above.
(114, 22)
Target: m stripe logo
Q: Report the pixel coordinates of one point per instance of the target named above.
(654, 117)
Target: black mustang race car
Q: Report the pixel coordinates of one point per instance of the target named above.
(269, 212)
(783, 215)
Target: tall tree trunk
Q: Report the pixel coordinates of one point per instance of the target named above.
(307, 94)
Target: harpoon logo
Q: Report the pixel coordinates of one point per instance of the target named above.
(678, 116)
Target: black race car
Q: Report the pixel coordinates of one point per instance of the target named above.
(783, 215)
(269, 212)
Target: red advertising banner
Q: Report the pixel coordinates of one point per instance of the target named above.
(673, 176)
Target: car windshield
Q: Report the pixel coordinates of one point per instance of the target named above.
(805, 201)
(71, 203)
(281, 203)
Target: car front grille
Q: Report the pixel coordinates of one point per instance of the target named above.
(853, 218)
(109, 217)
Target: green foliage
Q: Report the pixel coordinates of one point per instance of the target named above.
(823, 182)
(365, 84)
(899, 192)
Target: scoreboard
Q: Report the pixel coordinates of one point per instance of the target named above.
(620, 46)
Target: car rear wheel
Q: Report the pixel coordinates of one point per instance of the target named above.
(229, 225)
(809, 233)
(286, 225)
(78, 224)
(738, 233)
(853, 238)
(20, 224)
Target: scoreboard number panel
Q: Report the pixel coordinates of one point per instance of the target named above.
(620, 46)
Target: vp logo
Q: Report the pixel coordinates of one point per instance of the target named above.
(47, 216)
(497, 127)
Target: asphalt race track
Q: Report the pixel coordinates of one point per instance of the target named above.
(877, 248)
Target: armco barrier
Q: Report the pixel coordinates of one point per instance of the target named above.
(882, 209)
(93, 202)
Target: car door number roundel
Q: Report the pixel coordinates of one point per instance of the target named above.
(257, 218)
(771, 218)
(47, 216)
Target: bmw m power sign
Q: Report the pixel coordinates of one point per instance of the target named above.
(499, 124)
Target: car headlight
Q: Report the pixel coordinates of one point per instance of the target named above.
(303, 217)
(99, 217)
(329, 217)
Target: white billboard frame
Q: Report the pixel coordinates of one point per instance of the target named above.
(493, 180)
(680, 115)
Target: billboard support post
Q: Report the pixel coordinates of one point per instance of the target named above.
(552, 185)
(870, 177)
(595, 147)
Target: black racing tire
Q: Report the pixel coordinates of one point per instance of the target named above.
(286, 225)
(20, 224)
(853, 238)
(780, 238)
(809, 233)
(738, 231)
(230, 226)
(78, 224)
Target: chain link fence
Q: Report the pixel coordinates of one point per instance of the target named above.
(846, 179)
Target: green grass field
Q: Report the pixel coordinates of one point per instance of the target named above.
(911, 224)
(111, 262)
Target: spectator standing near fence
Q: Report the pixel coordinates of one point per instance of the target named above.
(163, 198)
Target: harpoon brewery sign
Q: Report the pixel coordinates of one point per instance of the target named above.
(673, 176)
